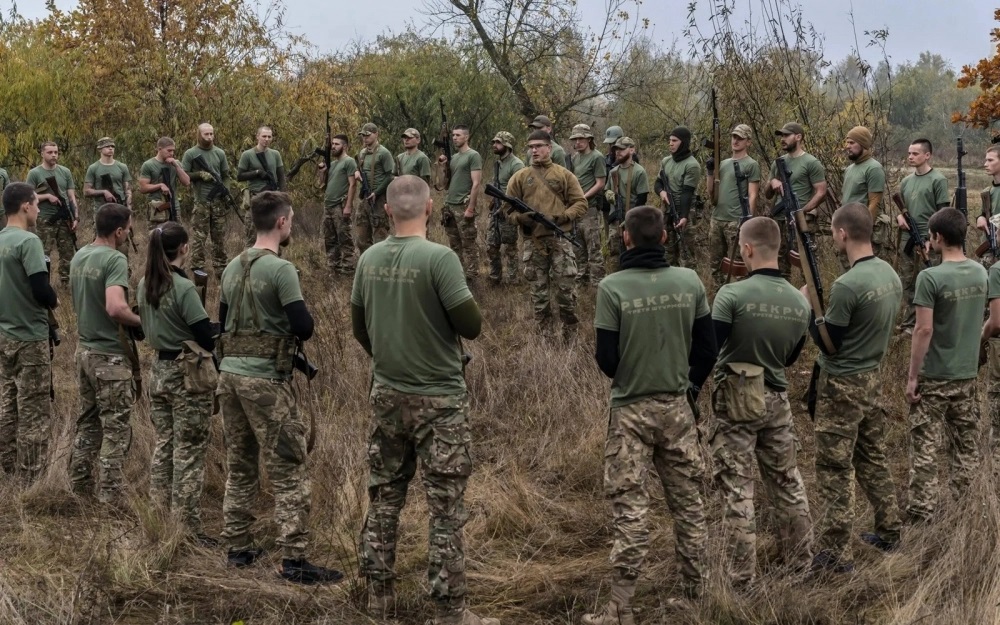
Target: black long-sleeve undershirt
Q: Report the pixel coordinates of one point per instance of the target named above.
(837, 334)
(41, 290)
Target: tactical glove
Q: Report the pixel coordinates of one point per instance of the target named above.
(710, 164)
(609, 195)
(205, 176)
(562, 220)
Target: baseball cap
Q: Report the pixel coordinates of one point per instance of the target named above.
(612, 134)
(411, 133)
(624, 142)
(742, 131)
(105, 142)
(791, 128)
(540, 122)
(368, 129)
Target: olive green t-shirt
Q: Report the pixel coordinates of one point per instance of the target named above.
(558, 154)
(168, 326)
(922, 194)
(36, 178)
(339, 181)
(379, 166)
(860, 179)
(152, 170)
(416, 164)
(21, 255)
(956, 292)
(629, 188)
(462, 166)
(686, 173)
(588, 168)
(994, 282)
(865, 300)
(406, 285)
(806, 171)
(508, 166)
(727, 208)
(93, 269)
(994, 190)
(769, 317)
(653, 310)
(215, 158)
(250, 162)
(118, 174)
(273, 284)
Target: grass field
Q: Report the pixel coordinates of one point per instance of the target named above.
(539, 533)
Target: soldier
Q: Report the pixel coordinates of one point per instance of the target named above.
(180, 405)
(541, 122)
(991, 329)
(923, 193)
(760, 326)
(808, 178)
(502, 235)
(4, 179)
(420, 406)
(589, 169)
(208, 217)
(864, 183)
(412, 161)
(25, 354)
(265, 317)
(377, 163)
(152, 183)
(992, 166)
(651, 420)
(262, 169)
(944, 363)
(459, 213)
(725, 225)
(108, 181)
(549, 263)
(56, 231)
(341, 189)
(629, 188)
(849, 418)
(105, 360)
(683, 172)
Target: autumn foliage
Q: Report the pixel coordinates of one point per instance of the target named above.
(985, 109)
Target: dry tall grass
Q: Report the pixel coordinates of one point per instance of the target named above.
(538, 537)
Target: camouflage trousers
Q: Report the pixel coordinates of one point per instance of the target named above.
(615, 246)
(372, 223)
(338, 240)
(910, 267)
(769, 436)
(590, 266)
(721, 235)
(676, 254)
(261, 423)
(208, 220)
(851, 442)
(462, 236)
(948, 408)
(658, 430)
(57, 236)
(25, 411)
(501, 245)
(181, 420)
(435, 430)
(103, 431)
(549, 264)
(993, 399)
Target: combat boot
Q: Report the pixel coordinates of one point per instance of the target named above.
(465, 617)
(618, 610)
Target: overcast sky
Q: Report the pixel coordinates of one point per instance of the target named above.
(958, 30)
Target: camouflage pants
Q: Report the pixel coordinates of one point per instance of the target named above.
(434, 430)
(57, 236)
(851, 441)
(590, 266)
(338, 240)
(181, 421)
(993, 399)
(721, 235)
(102, 430)
(615, 246)
(261, 422)
(676, 254)
(909, 267)
(462, 235)
(658, 430)
(769, 437)
(25, 411)
(951, 406)
(501, 245)
(372, 223)
(208, 220)
(549, 264)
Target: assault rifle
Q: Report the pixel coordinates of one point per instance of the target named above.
(66, 212)
(444, 142)
(671, 210)
(961, 193)
(54, 338)
(109, 186)
(300, 362)
(496, 212)
(519, 206)
(617, 213)
(200, 284)
(990, 244)
(219, 187)
(169, 178)
(916, 241)
(807, 250)
(272, 182)
(324, 153)
(366, 187)
(715, 144)
(731, 265)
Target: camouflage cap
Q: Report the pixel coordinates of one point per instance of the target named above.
(613, 133)
(368, 129)
(504, 138)
(791, 128)
(581, 131)
(624, 142)
(540, 121)
(105, 142)
(742, 131)
(410, 133)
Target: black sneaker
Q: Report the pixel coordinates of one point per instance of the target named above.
(244, 557)
(302, 572)
(878, 542)
(824, 560)
(204, 540)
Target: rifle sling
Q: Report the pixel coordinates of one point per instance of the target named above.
(811, 281)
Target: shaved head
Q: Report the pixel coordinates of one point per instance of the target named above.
(407, 197)
(204, 127)
(764, 234)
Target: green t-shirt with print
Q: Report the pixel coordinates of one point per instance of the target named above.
(21, 255)
(379, 166)
(37, 179)
(727, 207)
(462, 166)
(629, 187)
(116, 173)
(589, 168)
(169, 325)
(686, 173)
(249, 162)
(339, 181)
(406, 286)
(806, 171)
(416, 164)
(215, 158)
(922, 194)
(956, 292)
(94, 269)
(860, 179)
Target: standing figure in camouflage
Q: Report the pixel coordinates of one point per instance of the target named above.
(991, 164)
(725, 225)
(944, 362)
(341, 189)
(106, 362)
(760, 327)
(265, 320)
(459, 213)
(629, 188)
(376, 164)
(262, 169)
(208, 217)
(153, 183)
(847, 384)
(652, 426)
(548, 260)
(501, 238)
(611, 136)
(420, 406)
(412, 161)
(108, 170)
(864, 183)
(180, 402)
(543, 123)
(25, 354)
(588, 167)
(683, 173)
(4, 179)
(991, 329)
(57, 207)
